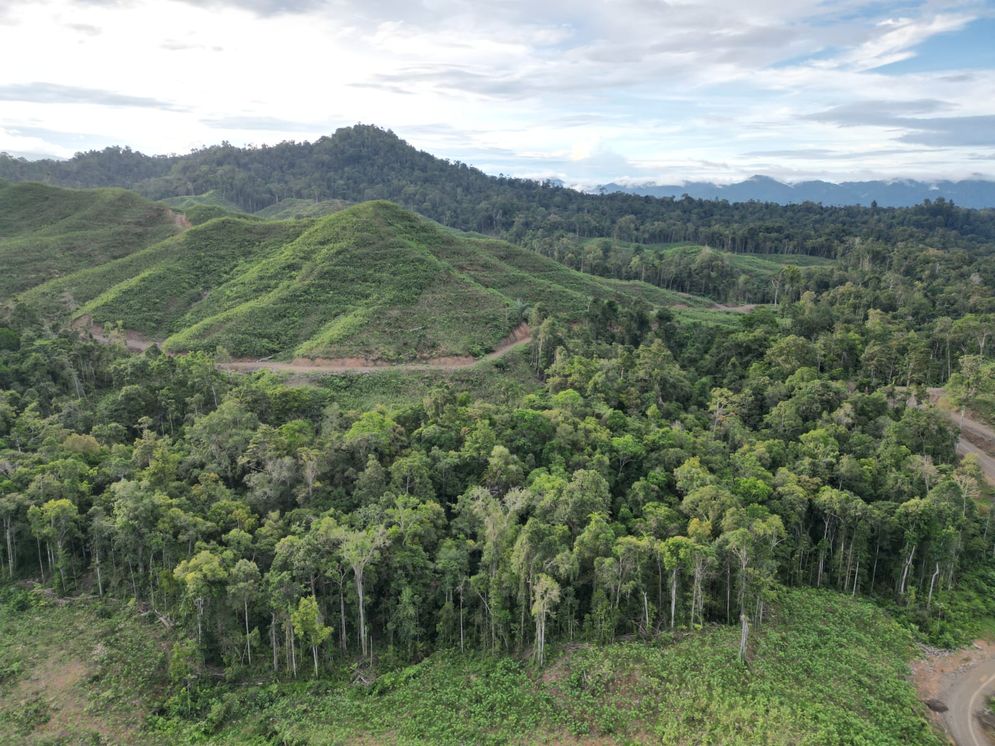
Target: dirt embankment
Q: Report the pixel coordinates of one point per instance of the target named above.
(182, 221)
(132, 341)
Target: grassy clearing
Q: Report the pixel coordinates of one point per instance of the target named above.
(46, 232)
(827, 670)
(296, 209)
(209, 200)
(499, 381)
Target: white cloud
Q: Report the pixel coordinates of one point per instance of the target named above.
(579, 90)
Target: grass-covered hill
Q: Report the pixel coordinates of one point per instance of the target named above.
(372, 280)
(47, 232)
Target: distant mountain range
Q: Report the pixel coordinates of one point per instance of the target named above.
(897, 193)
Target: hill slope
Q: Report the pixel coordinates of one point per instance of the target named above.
(46, 232)
(372, 281)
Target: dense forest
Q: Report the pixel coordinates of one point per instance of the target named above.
(665, 476)
(364, 162)
(646, 467)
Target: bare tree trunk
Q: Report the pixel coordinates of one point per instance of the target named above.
(248, 648)
(673, 598)
(905, 571)
(343, 638)
(272, 637)
(744, 635)
(362, 613)
(932, 583)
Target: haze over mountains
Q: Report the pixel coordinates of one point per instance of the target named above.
(976, 193)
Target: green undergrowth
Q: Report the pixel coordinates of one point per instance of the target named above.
(372, 281)
(500, 381)
(295, 209)
(956, 616)
(212, 200)
(826, 669)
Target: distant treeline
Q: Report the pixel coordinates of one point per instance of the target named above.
(365, 162)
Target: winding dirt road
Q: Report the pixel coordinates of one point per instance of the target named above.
(339, 366)
(966, 697)
(965, 689)
(135, 342)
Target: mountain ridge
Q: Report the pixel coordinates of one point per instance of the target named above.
(971, 193)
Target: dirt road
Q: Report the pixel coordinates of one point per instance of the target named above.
(966, 697)
(339, 366)
(975, 437)
(135, 342)
(967, 687)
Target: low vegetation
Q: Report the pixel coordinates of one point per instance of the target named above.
(46, 232)
(824, 669)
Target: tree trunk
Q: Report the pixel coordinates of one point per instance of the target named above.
(362, 613)
(343, 639)
(272, 637)
(100, 582)
(673, 598)
(744, 635)
(932, 583)
(905, 571)
(248, 647)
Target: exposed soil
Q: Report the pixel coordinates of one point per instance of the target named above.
(946, 677)
(133, 341)
(60, 685)
(181, 220)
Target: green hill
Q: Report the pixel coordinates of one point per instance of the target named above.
(46, 232)
(373, 280)
(294, 209)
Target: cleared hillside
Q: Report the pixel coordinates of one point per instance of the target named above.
(373, 281)
(46, 232)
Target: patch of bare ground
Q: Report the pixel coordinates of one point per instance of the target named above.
(132, 340)
(60, 684)
(302, 365)
(182, 221)
(937, 670)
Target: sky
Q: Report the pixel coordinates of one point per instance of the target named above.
(589, 92)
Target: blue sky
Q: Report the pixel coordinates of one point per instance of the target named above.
(631, 90)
